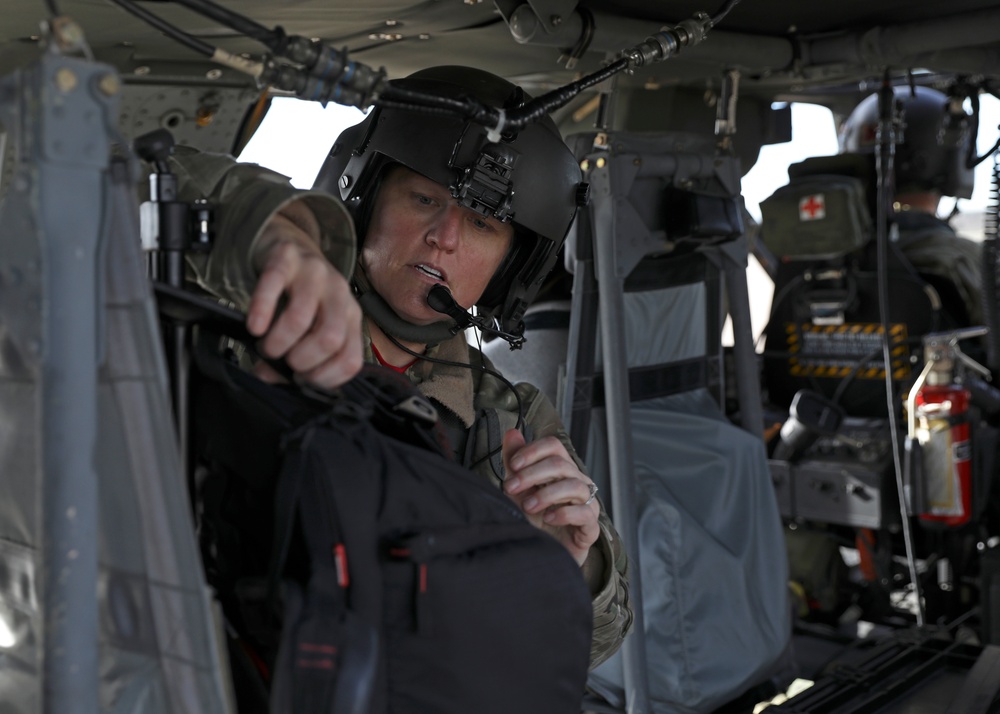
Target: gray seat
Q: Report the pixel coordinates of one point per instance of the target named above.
(711, 549)
(658, 255)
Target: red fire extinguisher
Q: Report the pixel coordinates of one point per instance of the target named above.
(938, 416)
(942, 412)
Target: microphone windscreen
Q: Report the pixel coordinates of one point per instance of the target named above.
(440, 300)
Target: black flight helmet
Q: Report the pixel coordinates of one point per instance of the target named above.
(935, 141)
(528, 178)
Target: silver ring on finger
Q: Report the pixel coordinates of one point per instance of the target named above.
(592, 487)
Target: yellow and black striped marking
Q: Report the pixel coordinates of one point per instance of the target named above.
(836, 351)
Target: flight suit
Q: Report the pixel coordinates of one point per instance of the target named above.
(936, 252)
(476, 407)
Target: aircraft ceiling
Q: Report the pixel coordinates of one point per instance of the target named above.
(832, 53)
(780, 45)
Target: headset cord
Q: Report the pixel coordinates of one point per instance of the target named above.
(467, 365)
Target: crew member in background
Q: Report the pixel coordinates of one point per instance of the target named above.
(929, 163)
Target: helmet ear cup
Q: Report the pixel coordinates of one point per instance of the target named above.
(363, 207)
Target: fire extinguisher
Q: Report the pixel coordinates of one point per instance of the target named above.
(939, 429)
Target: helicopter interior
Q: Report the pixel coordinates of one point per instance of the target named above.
(692, 98)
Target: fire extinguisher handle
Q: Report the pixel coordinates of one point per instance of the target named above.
(972, 364)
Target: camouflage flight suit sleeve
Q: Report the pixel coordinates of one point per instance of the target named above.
(606, 567)
(244, 198)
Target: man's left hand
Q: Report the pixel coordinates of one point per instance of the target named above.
(552, 492)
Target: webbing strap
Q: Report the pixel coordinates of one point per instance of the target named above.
(659, 380)
(286, 499)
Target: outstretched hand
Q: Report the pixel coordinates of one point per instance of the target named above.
(318, 330)
(552, 492)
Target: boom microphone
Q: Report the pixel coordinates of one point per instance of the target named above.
(440, 300)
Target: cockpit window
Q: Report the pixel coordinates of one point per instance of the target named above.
(813, 134)
(296, 135)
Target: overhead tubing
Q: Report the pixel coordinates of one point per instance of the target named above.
(881, 46)
(951, 40)
(613, 33)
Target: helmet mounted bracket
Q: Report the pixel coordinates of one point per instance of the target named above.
(486, 186)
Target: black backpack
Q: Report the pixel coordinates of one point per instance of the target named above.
(408, 585)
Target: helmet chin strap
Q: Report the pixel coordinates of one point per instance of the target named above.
(375, 307)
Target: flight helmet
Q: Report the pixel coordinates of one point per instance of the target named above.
(528, 178)
(935, 141)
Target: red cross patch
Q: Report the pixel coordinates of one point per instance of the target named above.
(812, 208)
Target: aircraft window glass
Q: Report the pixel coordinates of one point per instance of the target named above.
(813, 134)
(296, 135)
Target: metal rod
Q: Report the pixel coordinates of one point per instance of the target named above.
(611, 304)
(70, 202)
(734, 256)
(177, 344)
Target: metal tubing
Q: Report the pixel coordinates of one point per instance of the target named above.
(734, 268)
(611, 305)
(882, 46)
(614, 33)
(69, 433)
(962, 42)
(70, 206)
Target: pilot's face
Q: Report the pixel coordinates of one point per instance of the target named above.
(419, 236)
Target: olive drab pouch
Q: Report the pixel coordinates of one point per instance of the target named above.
(407, 584)
(816, 217)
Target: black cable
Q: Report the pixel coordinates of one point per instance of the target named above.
(488, 116)
(422, 101)
(776, 302)
(885, 154)
(166, 28)
(482, 364)
(838, 393)
(723, 11)
(410, 106)
(240, 23)
(573, 54)
(972, 160)
(537, 108)
(53, 8)
(470, 366)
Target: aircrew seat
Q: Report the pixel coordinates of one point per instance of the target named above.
(642, 395)
(825, 326)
